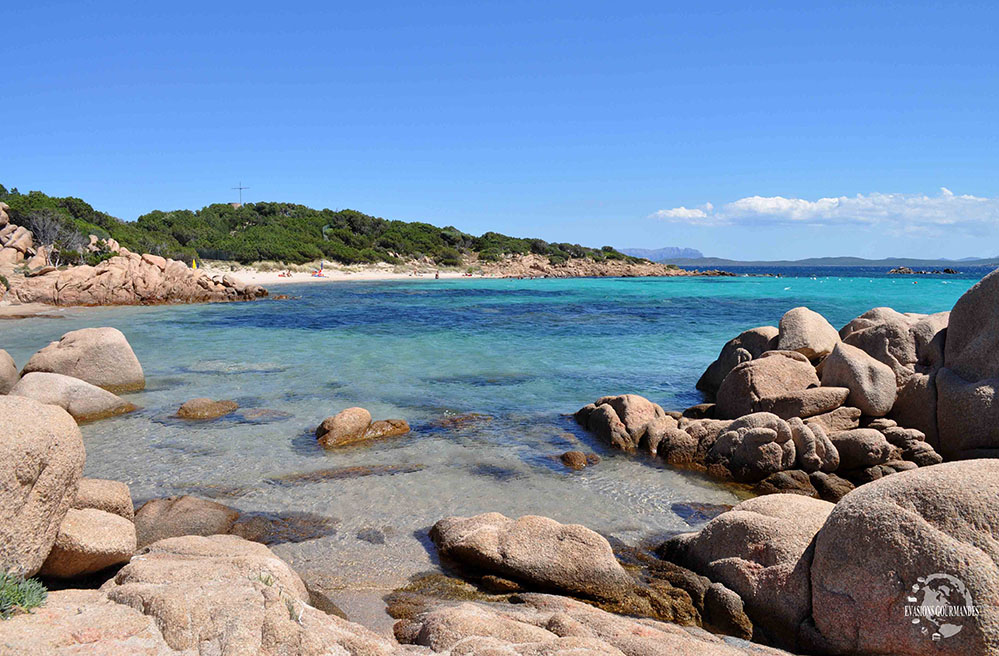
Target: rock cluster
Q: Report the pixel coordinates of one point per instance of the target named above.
(132, 279)
(125, 279)
(807, 409)
(16, 242)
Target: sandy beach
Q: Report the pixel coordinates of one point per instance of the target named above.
(370, 273)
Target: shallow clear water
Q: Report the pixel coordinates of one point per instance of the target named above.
(522, 352)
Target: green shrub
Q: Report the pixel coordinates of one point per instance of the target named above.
(4, 282)
(284, 232)
(18, 594)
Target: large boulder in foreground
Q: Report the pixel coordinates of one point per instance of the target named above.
(968, 385)
(871, 383)
(84, 401)
(775, 373)
(546, 625)
(931, 534)
(8, 372)
(761, 549)
(743, 348)
(41, 459)
(806, 332)
(192, 595)
(99, 356)
(89, 540)
(537, 551)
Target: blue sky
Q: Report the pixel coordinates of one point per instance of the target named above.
(719, 126)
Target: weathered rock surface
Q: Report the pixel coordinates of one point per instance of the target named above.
(85, 402)
(537, 551)
(968, 385)
(804, 403)
(131, 279)
(8, 372)
(812, 447)
(158, 519)
(761, 549)
(747, 346)
(862, 447)
(205, 408)
(41, 459)
(933, 522)
(774, 374)
(99, 356)
(840, 419)
(110, 496)
(872, 384)
(806, 332)
(88, 541)
(546, 625)
(754, 447)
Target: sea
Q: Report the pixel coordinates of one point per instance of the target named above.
(487, 372)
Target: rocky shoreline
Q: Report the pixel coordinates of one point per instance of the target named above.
(27, 276)
(843, 435)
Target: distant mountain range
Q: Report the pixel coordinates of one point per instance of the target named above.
(663, 254)
(889, 262)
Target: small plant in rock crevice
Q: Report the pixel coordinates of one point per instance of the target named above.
(19, 595)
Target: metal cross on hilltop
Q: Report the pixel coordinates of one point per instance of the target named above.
(241, 188)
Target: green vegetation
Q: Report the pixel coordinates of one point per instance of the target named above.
(18, 594)
(288, 233)
(4, 282)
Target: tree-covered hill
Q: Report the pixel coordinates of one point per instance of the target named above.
(286, 232)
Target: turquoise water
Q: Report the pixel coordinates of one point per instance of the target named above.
(522, 352)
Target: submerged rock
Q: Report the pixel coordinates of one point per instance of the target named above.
(99, 356)
(170, 517)
(204, 408)
(354, 425)
(578, 460)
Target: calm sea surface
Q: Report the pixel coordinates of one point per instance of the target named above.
(522, 353)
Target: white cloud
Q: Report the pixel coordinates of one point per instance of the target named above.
(894, 212)
(681, 213)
